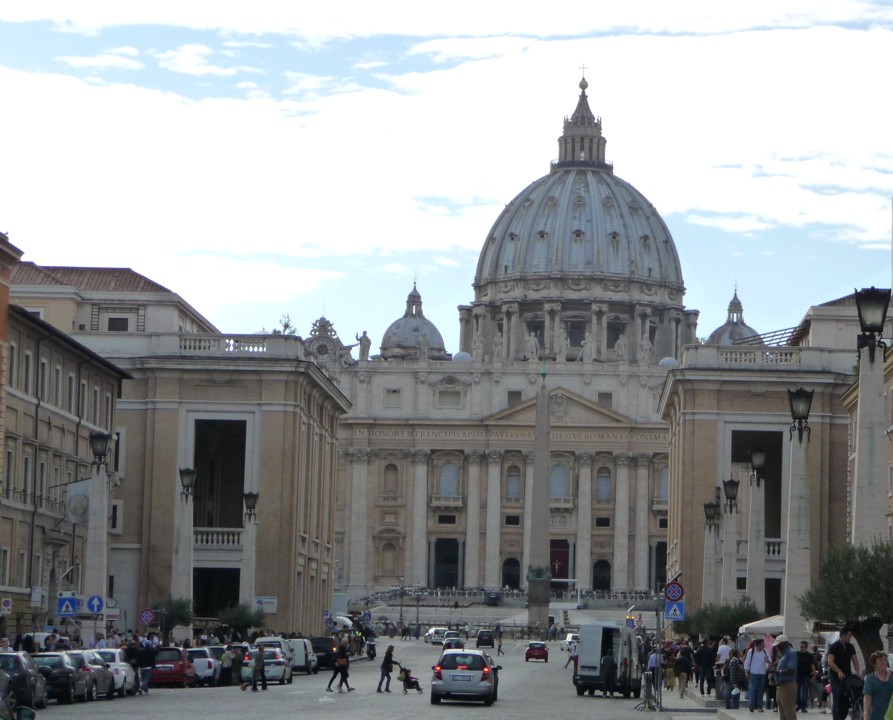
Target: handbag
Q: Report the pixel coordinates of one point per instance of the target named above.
(342, 662)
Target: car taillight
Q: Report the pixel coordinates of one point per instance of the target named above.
(437, 673)
(485, 675)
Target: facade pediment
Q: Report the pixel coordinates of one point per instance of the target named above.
(566, 408)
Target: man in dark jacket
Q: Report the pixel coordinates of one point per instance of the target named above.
(146, 660)
(608, 671)
(704, 659)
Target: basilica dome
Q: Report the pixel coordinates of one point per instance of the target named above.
(413, 336)
(734, 327)
(581, 251)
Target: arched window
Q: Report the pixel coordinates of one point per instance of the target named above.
(601, 575)
(604, 488)
(448, 482)
(663, 486)
(560, 482)
(513, 483)
(389, 559)
(511, 574)
(390, 481)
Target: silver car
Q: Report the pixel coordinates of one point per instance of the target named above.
(465, 675)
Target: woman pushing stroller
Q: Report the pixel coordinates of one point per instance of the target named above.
(387, 667)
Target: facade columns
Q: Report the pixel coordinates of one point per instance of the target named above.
(473, 521)
(528, 515)
(599, 330)
(868, 519)
(583, 545)
(494, 507)
(756, 545)
(729, 580)
(642, 531)
(550, 327)
(797, 551)
(621, 525)
(709, 593)
(511, 328)
(419, 518)
(359, 459)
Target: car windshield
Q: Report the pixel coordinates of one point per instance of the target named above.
(108, 656)
(9, 663)
(197, 653)
(53, 661)
(458, 661)
(78, 660)
(168, 656)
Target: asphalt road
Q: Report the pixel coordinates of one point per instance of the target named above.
(526, 690)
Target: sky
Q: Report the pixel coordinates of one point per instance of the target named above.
(316, 159)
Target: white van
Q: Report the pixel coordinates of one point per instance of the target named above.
(304, 659)
(280, 643)
(595, 639)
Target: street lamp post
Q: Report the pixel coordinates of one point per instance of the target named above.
(797, 544)
(181, 580)
(729, 587)
(869, 486)
(248, 591)
(96, 575)
(756, 528)
(711, 513)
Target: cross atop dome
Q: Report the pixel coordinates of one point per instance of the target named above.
(582, 144)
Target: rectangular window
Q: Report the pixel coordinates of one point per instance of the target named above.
(70, 404)
(603, 522)
(13, 365)
(513, 520)
(603, 488)
(662, 523)
(57, 386)
(605, 399)
(38, 569)
(42, 380)
(26, 375)
(26, 478)
(446, 519)
(41, 482)
(96, 405)
(82, 400)
(741, 583)
(449, 398)
(513, 397)
(513, 487)
(116, 517)
(4, 566)
(393, 398)
(22, 576)
(108, 411)
(9, 481)
(118, 324)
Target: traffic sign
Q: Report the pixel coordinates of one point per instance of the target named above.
(673, 591)
(367, 616)
(67, 607)
(147, 616)
(675, 611)
(95, 604)
(6, 606)
(326, 613)
(330, 623)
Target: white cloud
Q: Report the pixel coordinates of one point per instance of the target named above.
(124, 50)
(192, 59)
(102, 62)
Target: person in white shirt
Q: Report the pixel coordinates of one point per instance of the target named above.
(755, 664)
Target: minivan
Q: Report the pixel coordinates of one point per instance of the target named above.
(304, 657)
(595, 641)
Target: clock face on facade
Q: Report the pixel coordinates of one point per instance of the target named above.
(78, 505)
(322, 347)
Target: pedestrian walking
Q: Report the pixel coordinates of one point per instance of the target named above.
(878, 687)
(499, 646)
(146, 659)
(387, 667)
(258, 671)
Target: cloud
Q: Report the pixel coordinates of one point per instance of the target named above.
(102, 62)
(192, 59)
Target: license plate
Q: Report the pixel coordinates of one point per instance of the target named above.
(164, 667)
(461, 678)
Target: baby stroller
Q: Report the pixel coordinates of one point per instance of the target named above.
(409, 682)
(852, 689)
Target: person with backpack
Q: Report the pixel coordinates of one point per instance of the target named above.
(756, 667)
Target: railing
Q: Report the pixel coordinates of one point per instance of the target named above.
(390, 498)
(241, 345)
(217, 538)
(447, 501)
(774, 547)
(561, 504)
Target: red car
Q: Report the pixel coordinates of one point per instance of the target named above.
(172, 667)
(536, 651)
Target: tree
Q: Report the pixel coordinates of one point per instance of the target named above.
(855, 587)
(171, 613)
(286, 327)
(241, 617)
(719, 620)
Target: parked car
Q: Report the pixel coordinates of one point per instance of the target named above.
(325, 649)
(277, 642)
(435, 635)
(206, 666)
(485, 638)
(100, 678)
(172, 667)
(65, 681)
(122, 671)
(276, 665)
(29, 686)
(465, 675)
(216, 651)
(304, 657)
(536, 651)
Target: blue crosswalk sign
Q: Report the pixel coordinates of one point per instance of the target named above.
(67, 607)
(675, 611)
(94, 604)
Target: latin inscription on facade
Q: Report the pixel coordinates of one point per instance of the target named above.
(525, 435)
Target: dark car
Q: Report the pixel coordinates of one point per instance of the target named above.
(29, 686)
(65, 681)
(325, 649)
(172, 667)
(485, 638)
(100, 678)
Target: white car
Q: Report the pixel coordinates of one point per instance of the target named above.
(125, 677)
(206, 666)
(277, 667)
(569, 641)
(435, 635)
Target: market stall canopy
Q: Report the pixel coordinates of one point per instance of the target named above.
(770, 625)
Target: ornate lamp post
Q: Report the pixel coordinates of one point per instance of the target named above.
(96, 575)
(181, 581)
(729, 538)
(711, 527)
(756, 528)
(251, 505)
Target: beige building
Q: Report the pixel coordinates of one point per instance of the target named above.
(54, 393)
(578, 277)
(250, 414)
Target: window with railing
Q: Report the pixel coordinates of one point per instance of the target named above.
(513, 483)
(559, 481)
(604, 486)
(663, 485)
(448, 480)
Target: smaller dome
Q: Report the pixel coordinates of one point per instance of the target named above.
(734, 328)
(413, 336)
(668, 362)
(461, 356)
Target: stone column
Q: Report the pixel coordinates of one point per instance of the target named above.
(621, 525)
(494, 515)
(356, 571)
(599, 330)
(528, 515)
(583, 564)
(539, 570)
(422, 394)
(432, 563)
(797, 550)
(460, 571)
(549, 327)
(419, 515)
(729, 580)
(510, 313)
(465, 331)
(473, 521)
(756, 545)
(869, 511)
(709, 594)
(642, 530)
